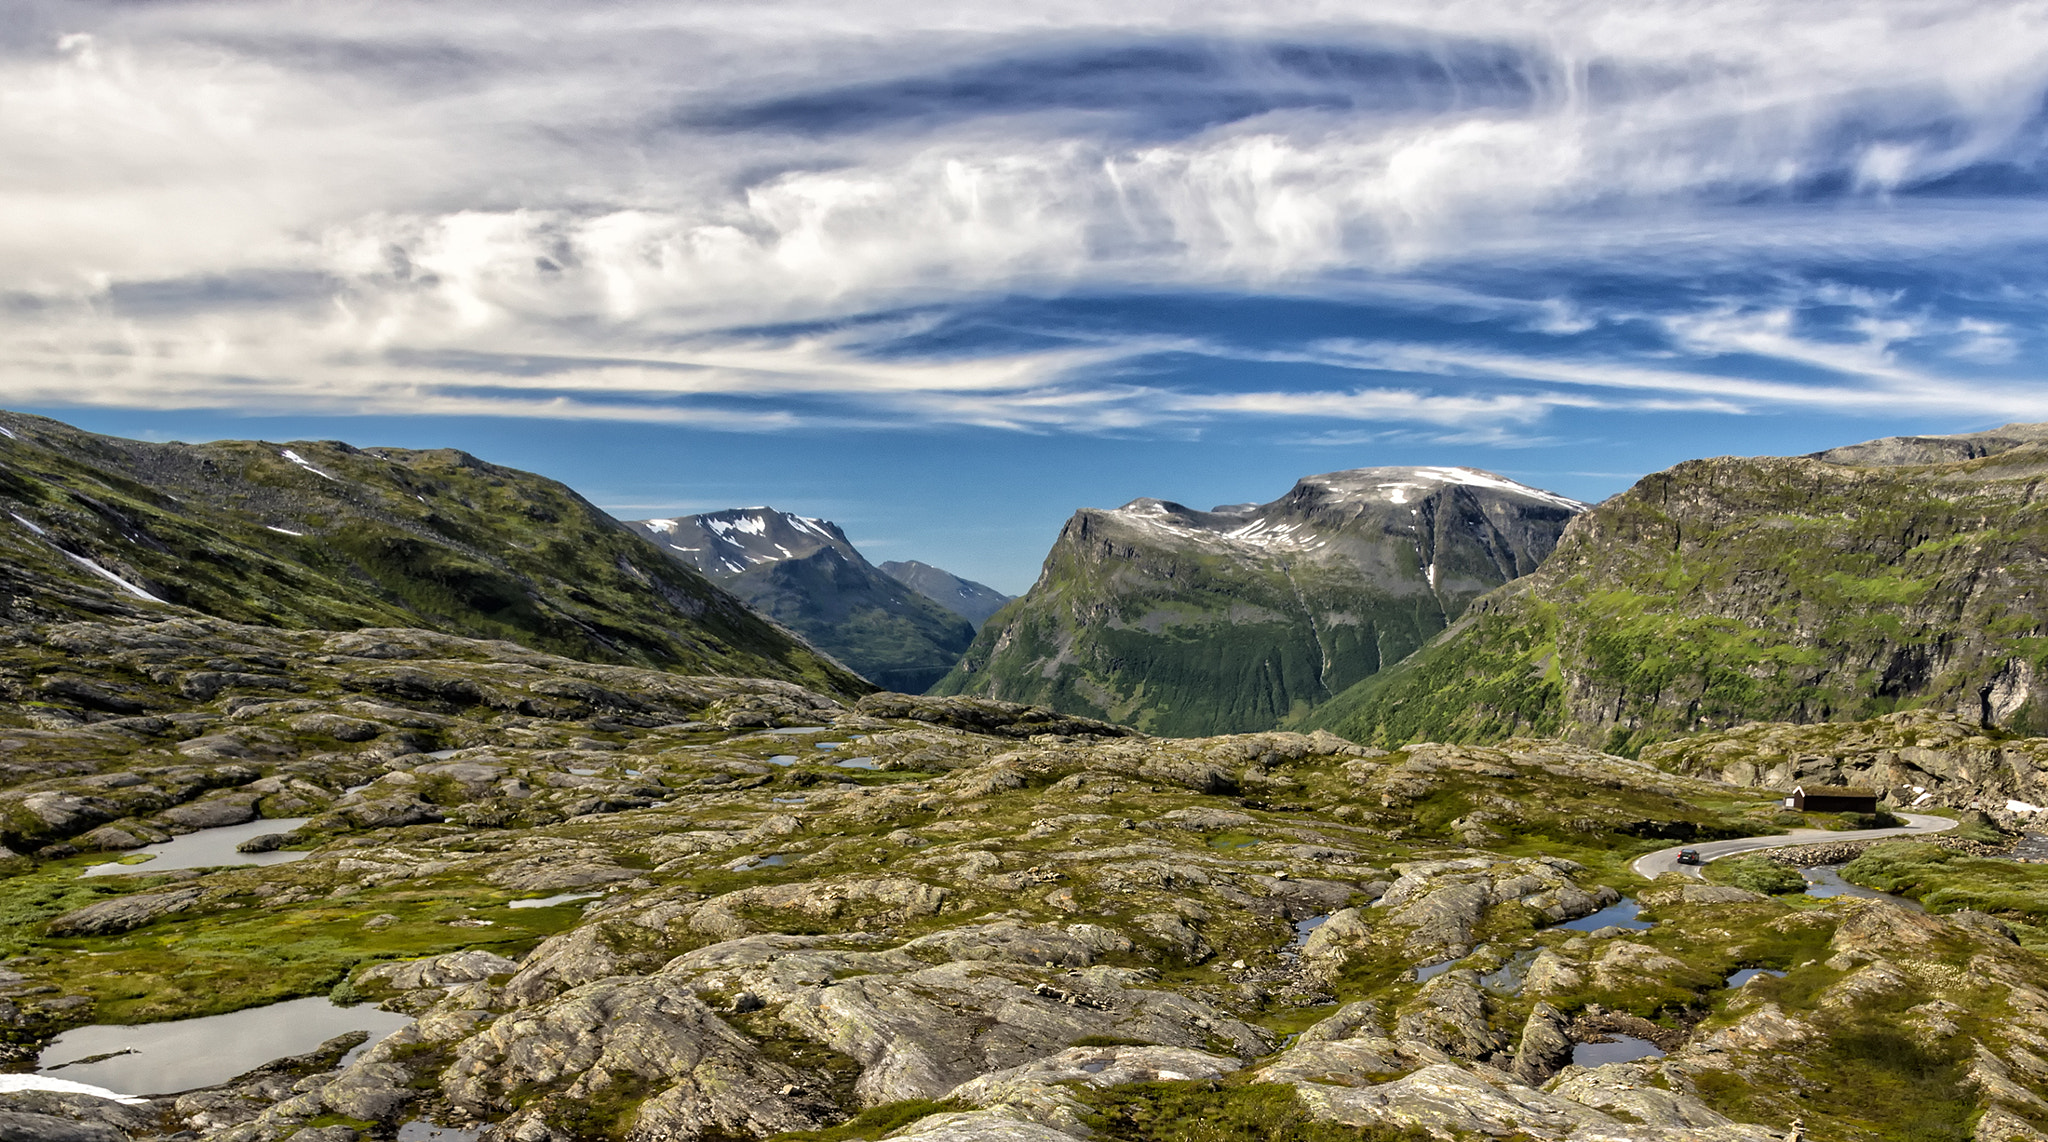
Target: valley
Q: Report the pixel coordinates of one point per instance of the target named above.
(1345, 816)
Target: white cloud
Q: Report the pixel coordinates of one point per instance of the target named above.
(499, 183)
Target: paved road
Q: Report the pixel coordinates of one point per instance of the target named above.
(1666, 860)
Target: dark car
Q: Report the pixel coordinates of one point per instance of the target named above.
(1688, 856)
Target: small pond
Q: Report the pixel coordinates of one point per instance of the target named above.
(1619, 1049)
(1618, 915)
(163, 1058)
(827, 745)
(1509, 977)
(206, 848)
(1826, 880)
(1747, 974)
(1431, 971)
(867, 763)
(783, 759)
(585, 772)
(551, 901)
(1304, 928)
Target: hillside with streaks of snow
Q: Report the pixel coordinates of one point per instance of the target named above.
(1242, 617)
(805, 574)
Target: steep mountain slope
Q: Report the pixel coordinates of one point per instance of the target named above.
(1897, 574)
(805, 574)
(972, 601)
(325, 535)
(1186, 622)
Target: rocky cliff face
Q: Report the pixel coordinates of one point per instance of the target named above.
(806, 575)
(325, 535)
(1907, 573)
(1180, 621)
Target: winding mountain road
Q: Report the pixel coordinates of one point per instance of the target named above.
(1655, 864)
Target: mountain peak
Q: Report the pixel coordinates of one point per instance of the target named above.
(1405, 484)
(725, 543)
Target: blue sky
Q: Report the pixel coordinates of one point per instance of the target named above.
(944, 276)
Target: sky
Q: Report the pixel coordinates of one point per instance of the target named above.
(946, 273)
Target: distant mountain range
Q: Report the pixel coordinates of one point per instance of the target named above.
(323, 535)
(806, 575)
(972, 601)
(1186, 622)
(1904, 573)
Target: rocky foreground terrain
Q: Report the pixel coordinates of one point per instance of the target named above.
(947, 918)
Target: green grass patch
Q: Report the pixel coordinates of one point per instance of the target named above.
(1218, 1112)
(1757, 874)
(874, 1122)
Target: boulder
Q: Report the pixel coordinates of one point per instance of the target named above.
(122, 914)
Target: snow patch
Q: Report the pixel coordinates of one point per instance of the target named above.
(814, 526)
(1474, 478)
(302, 462)
(1923, 798)
(746, 525)
(89, 565)
(282, 530)
(9, 1084)
(2019, 807)
(660, 526)
(8, 433)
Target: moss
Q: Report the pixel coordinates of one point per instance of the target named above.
(1757, 874)
(1218, 1112)
(874, 1122)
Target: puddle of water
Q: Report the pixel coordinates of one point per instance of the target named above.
(551, 901)
(1826, 880)
(1302, 928)
(859, 763)
(357, 788)
(1620, 915)
(632, 773)
(1747, 974)
(1228, 841)
(1431, 971)
(418, 1131)
(799, 729)
(783, 759)
(207, 848)
(1623, 1049)
(585, 772)
(1509, 977)
(773, 860)
(1095, 1066)
(827, 745)
(165, 1058)
(442, 754)
(796, 800)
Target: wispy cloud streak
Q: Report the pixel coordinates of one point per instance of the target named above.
(640, 211)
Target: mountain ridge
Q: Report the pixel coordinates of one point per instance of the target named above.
(1797, 589)
(804, 573)
(1180, 621)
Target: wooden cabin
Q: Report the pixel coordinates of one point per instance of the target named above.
(1831, 799)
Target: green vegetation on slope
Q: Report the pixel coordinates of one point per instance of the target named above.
(1733, 590)
(346, 538)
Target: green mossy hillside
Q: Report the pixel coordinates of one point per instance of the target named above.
(1736, 590)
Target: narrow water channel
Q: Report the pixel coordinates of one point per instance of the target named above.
(1618, 915)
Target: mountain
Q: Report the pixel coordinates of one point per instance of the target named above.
(806, 575)
(328, 536)
(972, 601)
(1185, 622)
(1905, 573)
